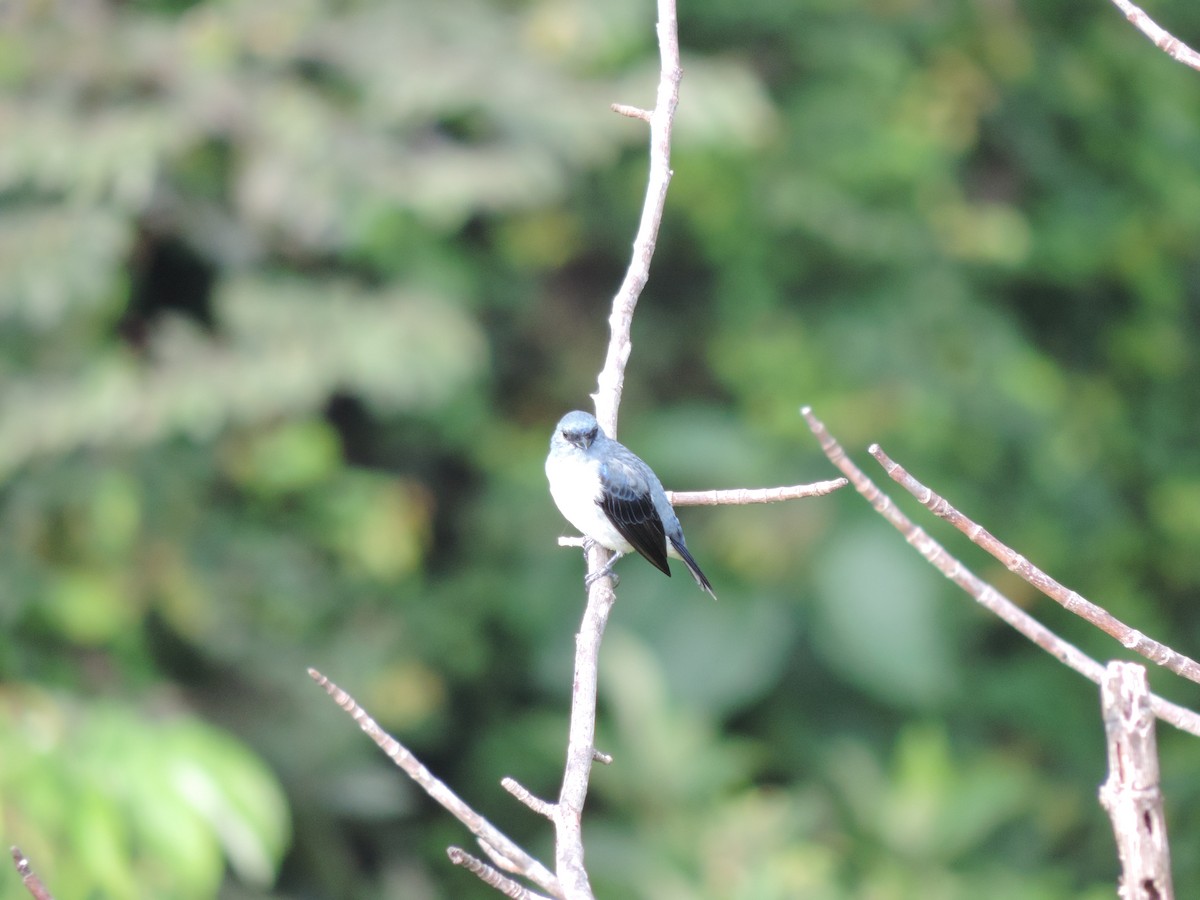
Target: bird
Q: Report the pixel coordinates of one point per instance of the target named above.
(613, 498)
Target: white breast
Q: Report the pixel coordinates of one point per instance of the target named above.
(575, 487)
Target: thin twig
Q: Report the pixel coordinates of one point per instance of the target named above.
(611, 380)
(983, 593)
(496, 856)
(568, 819)
(29, 878)
(746, 496)
(737, 497)
(1163, 39)
(523, 863)
(1130, 638)
(537, 804)
(490, 876)
(633, 112)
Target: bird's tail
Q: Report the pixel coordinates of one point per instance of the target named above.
(701, 579)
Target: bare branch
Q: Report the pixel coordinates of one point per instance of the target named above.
(581, 751)
(568, 819)
(739, 497)
(490, 876)
(537, 804)
(746, 496)
(1132, 795)
(983, 593)
(1130, 638)
(611, 380)
(523, 863)
(1163, 40)
(29, 878)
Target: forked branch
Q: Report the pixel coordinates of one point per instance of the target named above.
(1071, 601)
(983, 593)
(498, 845)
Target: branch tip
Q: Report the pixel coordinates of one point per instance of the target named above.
(537, 804)
(632, 112)
(490, 876)
(29, 878)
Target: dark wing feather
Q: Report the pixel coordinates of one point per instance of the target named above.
(626, 500)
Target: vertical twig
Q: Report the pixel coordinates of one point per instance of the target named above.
(1131, 795)
(611, 380)
(568, 812)
(568, 818)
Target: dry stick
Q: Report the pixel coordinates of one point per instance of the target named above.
(522, 793)
(29, 878)
(1132, 795)
(1130, 638)
(733, 497)
(1163, 40)
(495, 840)
(746, 496)
(738, 497)
(983, 593)
(490, 876)
(568, 812)
(612, 377)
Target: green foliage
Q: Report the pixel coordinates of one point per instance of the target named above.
(291, 292)
(112, 803)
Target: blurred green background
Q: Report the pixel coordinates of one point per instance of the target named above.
(292, 292)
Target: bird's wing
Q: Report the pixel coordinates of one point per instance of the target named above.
(626, 499)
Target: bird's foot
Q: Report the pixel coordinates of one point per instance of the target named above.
(606, 572)
(589, 580)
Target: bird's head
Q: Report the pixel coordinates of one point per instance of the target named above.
(578, 429)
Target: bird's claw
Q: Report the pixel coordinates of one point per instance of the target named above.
(606, 572)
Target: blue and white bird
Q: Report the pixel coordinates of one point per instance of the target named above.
(612, 497)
